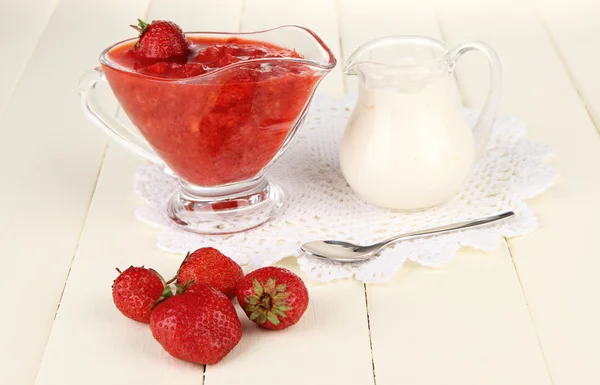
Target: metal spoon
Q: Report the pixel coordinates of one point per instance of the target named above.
(341, 251)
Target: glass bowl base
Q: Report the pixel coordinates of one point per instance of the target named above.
(218, 211)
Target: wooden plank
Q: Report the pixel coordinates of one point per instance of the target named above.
(49, 160)
(21, 24)
(466, 323)
(330, 345)
(558, 264)
(573, 28)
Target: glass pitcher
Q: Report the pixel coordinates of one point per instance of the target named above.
(407, 145)
(219, 131)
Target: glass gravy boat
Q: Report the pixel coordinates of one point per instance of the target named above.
(407, 145)
(217, 132)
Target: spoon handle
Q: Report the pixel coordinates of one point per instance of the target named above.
(448, 228)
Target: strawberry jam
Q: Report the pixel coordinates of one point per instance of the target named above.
(210, 124)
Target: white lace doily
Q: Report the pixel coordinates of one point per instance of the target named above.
(320, 205)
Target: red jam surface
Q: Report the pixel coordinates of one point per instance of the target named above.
(220, 127)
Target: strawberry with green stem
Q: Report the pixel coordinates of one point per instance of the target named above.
(160, 40)
(136, 290)
(273, 297)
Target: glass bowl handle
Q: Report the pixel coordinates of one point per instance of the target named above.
(106, 122)
(483, 127)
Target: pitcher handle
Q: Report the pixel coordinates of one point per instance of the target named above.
(482, 129)
(106, 122)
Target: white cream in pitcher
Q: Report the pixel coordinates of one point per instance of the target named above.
(407, 149)
(407, 144)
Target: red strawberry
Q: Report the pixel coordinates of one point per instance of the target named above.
(208, 265)
(199, 326)
(161, 40)
(136, 290)
(273, 297)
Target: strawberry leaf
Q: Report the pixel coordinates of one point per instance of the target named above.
(262, 318)
(279, 312)
(258, 289)
(270, 285)
(281, 288)
(272, 318)
(143, 25)
(280, 296)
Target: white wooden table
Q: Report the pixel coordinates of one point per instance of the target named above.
(528, 313)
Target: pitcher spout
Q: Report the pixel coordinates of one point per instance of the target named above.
(359, 56)
(351, 69)
(398, 55)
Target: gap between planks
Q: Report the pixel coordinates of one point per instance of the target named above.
(369, 327)
(342, 55)
(241, 22)
(567, 69)
(62, 292)
(535, 328)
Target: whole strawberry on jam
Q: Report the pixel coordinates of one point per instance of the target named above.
(273, 297)
(208, 265)
(200, 325)
(136, 290)
(161, 40)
